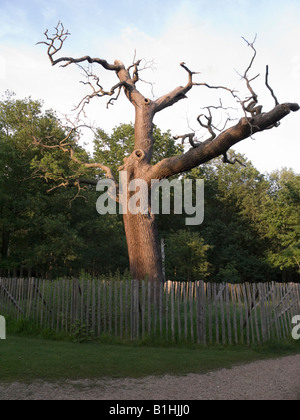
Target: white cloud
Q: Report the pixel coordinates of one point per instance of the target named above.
(29, 73)
(49, 12)
(2, 67)
(214, 53)
(216, 56)
(8, 22)
(296, 67)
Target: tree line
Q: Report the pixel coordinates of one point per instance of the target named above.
(49, 226)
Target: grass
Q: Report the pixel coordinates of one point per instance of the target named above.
(26, 359)
(33, 353)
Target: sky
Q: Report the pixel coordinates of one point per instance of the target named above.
(206, 35)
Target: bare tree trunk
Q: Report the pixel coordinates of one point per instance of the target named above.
(143, 247)
(141, 231)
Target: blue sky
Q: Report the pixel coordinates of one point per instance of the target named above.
(24, 19)
(205, 34)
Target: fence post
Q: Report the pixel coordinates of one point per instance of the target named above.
(196, 312)
(262, 301)
(228, 312)
(172, 313)
(185, 297)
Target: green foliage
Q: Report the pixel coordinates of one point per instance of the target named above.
(251, 230)
(81, 333)
(281, 216)
(251, 222)
(41, 232)
(186, 256)
(112, 149)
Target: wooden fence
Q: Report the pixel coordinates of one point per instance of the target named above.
(204, 313)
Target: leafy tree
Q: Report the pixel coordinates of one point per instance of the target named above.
(186, 256)
(15, 173)
(250, 231)
(36, 228)
(234, 196)
(282, 222)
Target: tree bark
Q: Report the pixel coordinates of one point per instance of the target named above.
(211, 149)
(141, 229)
(143, 247)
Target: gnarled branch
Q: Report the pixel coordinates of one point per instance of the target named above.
(222, 143)
(66, 147)
(269, 87)
(59, 38)
(208, 126)
(252, 101)
(180, 92)
(190, 137)
(177, 94)
(97, 90)
(232, 162)
(215, 145)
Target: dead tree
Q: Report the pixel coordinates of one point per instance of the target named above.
(141, 230)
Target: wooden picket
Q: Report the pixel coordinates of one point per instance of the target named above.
(203, 313)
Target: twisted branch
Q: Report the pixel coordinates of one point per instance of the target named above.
(60, 37)
(97, 90)
(66, 145)
(232, 162)
(269, 87)
(252, 101)
(208, 126)
(190, 137)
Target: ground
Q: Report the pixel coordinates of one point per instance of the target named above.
(277, 379)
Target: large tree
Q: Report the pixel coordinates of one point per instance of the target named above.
(141, 230)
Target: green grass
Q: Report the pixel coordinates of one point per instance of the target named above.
(27, 359)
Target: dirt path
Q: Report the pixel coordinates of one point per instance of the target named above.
(264, 380)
